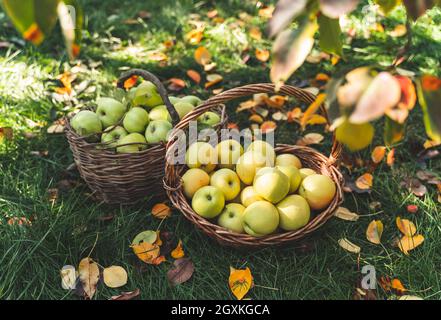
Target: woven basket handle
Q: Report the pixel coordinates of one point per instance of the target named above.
(299, 94)
(161, 89)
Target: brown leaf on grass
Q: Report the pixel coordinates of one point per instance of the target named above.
(428, 177)
(53, 195)
(262, 55)
(375, 231)
(406, 227)
(130, 82)
(176, 84)
(407, 244)
(181, 272)
(309, 139)
(202, 56)
(240, 282)
(268, 126)
(194, 75)
(378, 154)
(415, 186)
(16, 221)
(349, 246)
(345, 214)
(213, 79)
(124, 296)
(365, 182)
(89, 275)
(6, 133)
(161, 211)
(178, 252)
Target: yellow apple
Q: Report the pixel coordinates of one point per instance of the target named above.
(271, 184)
(318, 190)
(248, 164)
(260, 218)
(232, 217)
(227, 181)
(294, 177)
(228, 152)
(249, 196)
(264, 148)
(288, 159)
(208, 202)
(304, 172)
(294, 212)
(193, 180)
(201, 155)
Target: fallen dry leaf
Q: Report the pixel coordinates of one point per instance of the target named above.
(181, 272)
(411, 208)
(213, 79)
(345, 214)
(176, 84)
(157, 56)
(407, 244)
(124, 296)
(130, 82)
(178, 252)
(399, 31)
(390, 158)
(69, 277)
(266, 12)
(431, 144)
(195, 36)
(309, 139)
(268, 126)
(194, 75)
(275, 101)
(146, 252)
(16, 221)
(213, 13)
(256, 118)
(161, 211)
(406, 227)
(255, 33)
(349, 246)
(312, 109)
(374, 231)
(378, 154)
(262, 55)
(410, 297)
(202, 56)
(365, 182)
(115, 276)
(89, 275)
(240, 282)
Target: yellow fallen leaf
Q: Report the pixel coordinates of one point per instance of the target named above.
(378, 154)
(365, 182)
(431, 143)
(178, 252)
(345, 214)
(255, 33)
(89, 275)
(240, 282)
(195, 36)
(115, 276)
(256, 118)
(349, 246)
(213, 79)
(406, 227)
(312, 109)
(262, 55)
(275, 101)
(157, 56)
(407, 244)
(146, 252)
(374, 231)
(202, 56)
(316, 119)
(268, 126)
(161, 211)
(399, 31)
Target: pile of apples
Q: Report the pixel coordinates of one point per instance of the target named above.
(141, 118)
(255, 192)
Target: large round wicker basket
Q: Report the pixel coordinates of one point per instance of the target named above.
(311, 158)
(117, 178)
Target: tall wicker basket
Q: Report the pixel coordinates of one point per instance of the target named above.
(117, 178)
(326, 165)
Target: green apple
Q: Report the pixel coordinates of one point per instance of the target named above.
(304, 172)
(248, 164)
(209, 119)
(249, 196)
(293, 175)
(183, 108)
(174, 100)
(193, 180)
(201, 155)
(227, 181)
(318, 190)
(260, 218)
(288, 159)
(110, 111)
(208, 202)
(264, 148)
(271, 184)
(110, 138)
(86, 123)
(231, 217)
(157, 131)
(160, 113)
(136, 120)
(294, 212)
(195, 101)
(228, 152)
(146, 94)
(131, 139)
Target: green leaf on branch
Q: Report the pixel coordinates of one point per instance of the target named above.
(285, 12)
(393, 131)
(416, 8)
(336, 8)
(291, 49)
(388, 5)
(429, 97)
(330, 33)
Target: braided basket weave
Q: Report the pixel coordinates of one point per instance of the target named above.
(117, 178)
(310, 159)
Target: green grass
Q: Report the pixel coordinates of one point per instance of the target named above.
(64, 233)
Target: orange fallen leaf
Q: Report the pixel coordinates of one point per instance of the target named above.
(378, 154)
(168, 44)
(365, 182)
(312, 109)
(256, 118)
(266, 12)
(178, 252)
(130, 82)
(194, 75)
(406, 227)
(316, 119)
(146, 252)
(322, 77)
(390, 158)
(335, 60)
(232, 126)
(375, 231)
(195, 36)
(157, 56)
(23, 221)
(398, 287)
(431, 143)
(176, 84)
(255, 33)
(66, 79)
(246, 105)
(202, 56)
(158, 260)
(161, 211)
(275, 101)
(262, 55)
(407, 244)
(268, 126)
(295, 114)
(34, 34)
(240, 282)
(211, 14)
(213, 79)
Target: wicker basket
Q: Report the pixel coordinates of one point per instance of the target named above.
(118, 178)
(309, 157)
